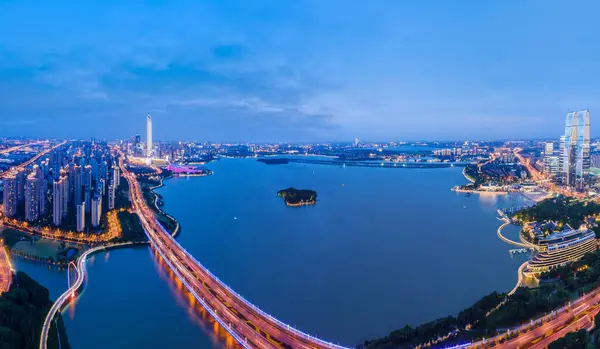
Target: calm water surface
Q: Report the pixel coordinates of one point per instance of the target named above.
(381, 248)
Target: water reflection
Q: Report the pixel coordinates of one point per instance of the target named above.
(196, 313)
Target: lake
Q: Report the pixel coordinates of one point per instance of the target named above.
(381, 248)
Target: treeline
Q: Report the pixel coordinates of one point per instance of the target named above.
(131, 226)
(581, 339)
(562, 209)
(23, 310)
(407, 336)
(557, 288)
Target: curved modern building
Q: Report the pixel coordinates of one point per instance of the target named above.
(575, 150)
(560, 248)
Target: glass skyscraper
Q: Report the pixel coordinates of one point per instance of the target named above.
(575, 149)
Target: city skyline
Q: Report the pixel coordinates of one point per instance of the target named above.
(276, 72)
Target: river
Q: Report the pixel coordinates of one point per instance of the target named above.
(381, 248)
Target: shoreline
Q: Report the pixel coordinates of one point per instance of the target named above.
(177, 229)
(472, 191)
(464, 172)
(509, 241)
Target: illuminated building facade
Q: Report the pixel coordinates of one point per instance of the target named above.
(562, 247)
(575, 150)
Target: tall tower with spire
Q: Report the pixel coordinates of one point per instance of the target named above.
(149, 136)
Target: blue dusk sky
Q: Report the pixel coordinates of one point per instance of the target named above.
(303, 70)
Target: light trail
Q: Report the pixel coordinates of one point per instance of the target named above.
(247, 324)
(6, 269)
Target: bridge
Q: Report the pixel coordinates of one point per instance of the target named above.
(75, 287)
(515, 251)
(245, 322)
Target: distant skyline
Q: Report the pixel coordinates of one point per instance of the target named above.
(306, 70)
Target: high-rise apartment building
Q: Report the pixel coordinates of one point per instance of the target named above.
(59, 209)
(10, 195)
(32, 211)
(575, 150)
(96, 210)
(111, 195)
(116, 174)
(87, 186)
(20, 174)
(42, 190)
(81, 217)
(77, 185)
(149, 136)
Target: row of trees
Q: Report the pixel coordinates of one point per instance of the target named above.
(561, 209)
(22, 312)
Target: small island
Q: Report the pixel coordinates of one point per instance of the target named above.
(298, 197)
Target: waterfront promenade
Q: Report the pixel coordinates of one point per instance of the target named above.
(245, 322)
(509, 241)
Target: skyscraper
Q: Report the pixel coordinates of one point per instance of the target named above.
(116, 174)
(32, 211)
(149, 136)
(42, 190)
(111, 195)
(575, 150)
(96, 210)
(77, 185)
(10, 195)
(136, 145)
(87, 186)
(81, 217)
(20, 174)
(59, 188)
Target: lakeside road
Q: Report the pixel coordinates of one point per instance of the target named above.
(573, 317)
(6, 272)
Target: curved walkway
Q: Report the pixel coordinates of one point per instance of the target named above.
(509, 241)
(519, 280)
(72, 292)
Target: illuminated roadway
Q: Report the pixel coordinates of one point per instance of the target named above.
(17, 147)
(540, 332)
(6, 270)
(246, 323)
(34, 159)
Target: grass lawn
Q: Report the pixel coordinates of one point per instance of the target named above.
(46, 248)
(11, 236)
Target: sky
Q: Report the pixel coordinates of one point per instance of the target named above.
(302, 70)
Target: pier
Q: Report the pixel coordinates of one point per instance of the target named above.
(515, 251)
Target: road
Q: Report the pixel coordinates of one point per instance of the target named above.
(542, 331)
(6, 271)
(34, 159)
(17, 147)
(246, 323)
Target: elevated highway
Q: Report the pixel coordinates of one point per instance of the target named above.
(246, 323)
